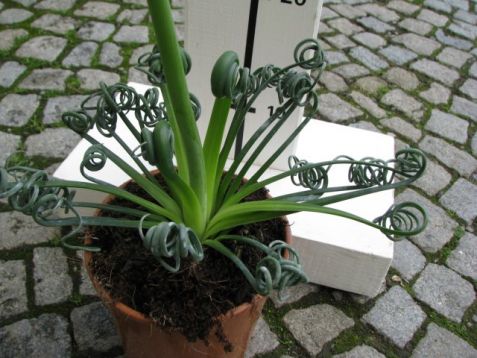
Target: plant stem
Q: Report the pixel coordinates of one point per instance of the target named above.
(161, 15)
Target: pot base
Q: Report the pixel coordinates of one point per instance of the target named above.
(142, 338)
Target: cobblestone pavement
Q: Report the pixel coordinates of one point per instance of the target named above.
(407, 68)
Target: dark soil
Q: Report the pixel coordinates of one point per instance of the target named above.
(187, 301)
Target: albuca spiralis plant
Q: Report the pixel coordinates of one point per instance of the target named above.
(202, 202)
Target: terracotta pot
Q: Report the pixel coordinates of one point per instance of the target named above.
(142, 338)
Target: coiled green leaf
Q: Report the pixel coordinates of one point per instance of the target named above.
(406, 218)
(169, 240)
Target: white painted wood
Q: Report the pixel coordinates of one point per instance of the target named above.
(215, 26)
(212, 27)
(336, 252)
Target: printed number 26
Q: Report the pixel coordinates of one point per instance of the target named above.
(298, 2)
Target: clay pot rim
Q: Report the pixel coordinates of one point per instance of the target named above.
(140, 317)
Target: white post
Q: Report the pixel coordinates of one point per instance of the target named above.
(261, 32)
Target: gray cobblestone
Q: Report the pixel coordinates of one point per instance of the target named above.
(452, 157)
(8, 38)
(469, 88)
(453, 57)
(344, 26)
(436, 71)
(440, 232)
(462, 199)
(55, 23)
(435, 179)
(463, 29)
(56, 106)
(440, 342)
(327, 13)
(126, 33)
(46, 48)
(45, 336)
(97, 9)
(61, 5)
(403, 102)
(433, 18)
(436, 94)
(374, 24)
(368, 58)
(292, 294)
(361, 352)
(349, 11)
(464, 257)
(368, 104)
(458, 4)
(466, 16)
(336, 110)
(464, 107)
(403, 128)
(12, 288)
(137, 76)
(438, 5)
(448, 126)
(52, 142)
(14, 16)
(408, 259)
(370, 40)
(19, 229)
(135, 17)
(418, 44)
(404, 79)
(333, 82)
(52, 282)
(138, 52)
(142, 3)
(314, 326)
(417, 26)
(371, 84)
(90, 79)
(403, 7)
(17, 109)
(396, 316)
(444, 291)
(86, 286)
(81, 55)
(398, 55)
(95, 31)
(336, 57)
(46, 79)
(94, 328)
(381, 12)
(110, 55)
(8, 145)
(452, 41)
(366, 126)
(340, 41)
(263, 340)
(351, 70)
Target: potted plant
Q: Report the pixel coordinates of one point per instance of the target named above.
(194, 246)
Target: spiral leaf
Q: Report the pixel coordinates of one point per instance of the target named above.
(225, 75)
(405, 219)
(94, 158)
(151, 64)
(80, 121)
(171, 241)
(315, 178)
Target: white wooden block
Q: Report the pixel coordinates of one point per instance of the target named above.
(335, 252)
(215, 26)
